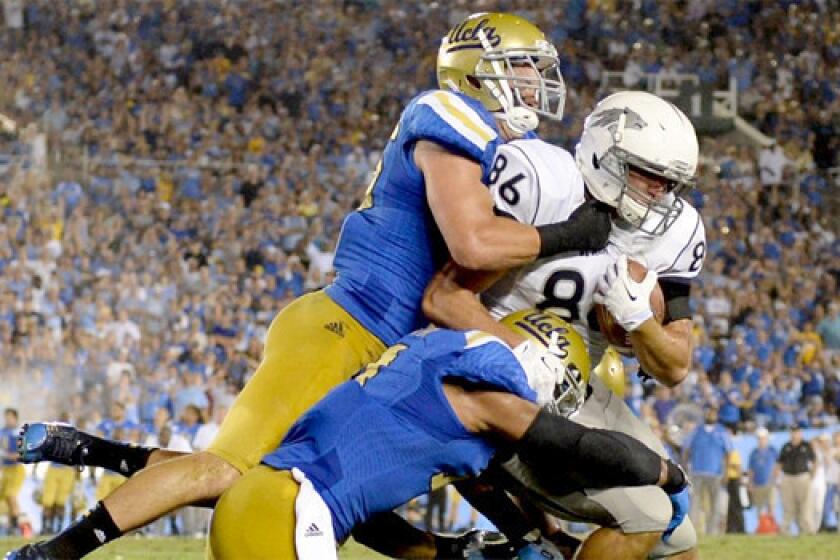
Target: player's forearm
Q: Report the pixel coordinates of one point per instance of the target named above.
(553, 444)
(664, 351)
(516, 244)
(495, 244)
(447, 303)
(463, 211)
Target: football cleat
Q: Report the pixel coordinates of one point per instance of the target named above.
(29, 552)
(53, 441)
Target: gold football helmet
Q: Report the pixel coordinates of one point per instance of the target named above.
(611, 371)
(487, 56)
(562, 341)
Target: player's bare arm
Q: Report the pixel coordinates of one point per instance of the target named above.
(479, 239)
(463, 210)
(664, 351)
(450, 300)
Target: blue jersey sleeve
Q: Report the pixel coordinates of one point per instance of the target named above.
(456, 122)
(488, 361)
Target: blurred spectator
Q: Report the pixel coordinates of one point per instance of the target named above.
(207, 431)
(435, 518)
(190, 422)
(829, 327)
(772, 163)
(762, 474)
(819, 483)
(737, 497)
(13, 14)
(831, 514)
(707, 454)
(663, 404)
(798, 465)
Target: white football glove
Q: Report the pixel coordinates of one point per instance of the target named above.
(626, 300)
(540, 367)
(558, 389)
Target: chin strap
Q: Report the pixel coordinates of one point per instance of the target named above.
(519, 120)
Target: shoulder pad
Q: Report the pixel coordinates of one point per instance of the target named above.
(454, 121)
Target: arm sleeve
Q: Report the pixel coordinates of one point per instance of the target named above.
(677, 293)
(587, 457)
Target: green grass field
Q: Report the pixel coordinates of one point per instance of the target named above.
(820, 547)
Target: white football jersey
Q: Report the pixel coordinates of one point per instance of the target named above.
(538, 183)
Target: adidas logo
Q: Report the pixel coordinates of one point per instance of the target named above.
(336, 327)
(313, 531)
(123, 466)
(100, 535)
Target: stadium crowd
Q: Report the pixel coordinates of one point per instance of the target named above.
(181, 170)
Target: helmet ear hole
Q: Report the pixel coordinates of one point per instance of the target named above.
(595, 163)
(474, 82)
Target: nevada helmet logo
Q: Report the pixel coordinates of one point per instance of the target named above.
(609, 118)
(466, 37)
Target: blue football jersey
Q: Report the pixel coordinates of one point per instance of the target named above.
(390, 246)
(389, 434)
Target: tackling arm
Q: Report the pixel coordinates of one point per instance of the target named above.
(463, 210)
(479, 239)
(554, 444)
(450, 300)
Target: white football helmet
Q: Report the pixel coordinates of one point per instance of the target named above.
(638, 130)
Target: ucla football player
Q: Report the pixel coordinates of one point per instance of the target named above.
(637, 153)
(436, 406)
(12, 473)
(426, 204)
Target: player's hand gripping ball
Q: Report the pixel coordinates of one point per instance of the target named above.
(627, 296)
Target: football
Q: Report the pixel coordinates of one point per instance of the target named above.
(614, 333)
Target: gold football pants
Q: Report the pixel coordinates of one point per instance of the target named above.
(312, 346)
